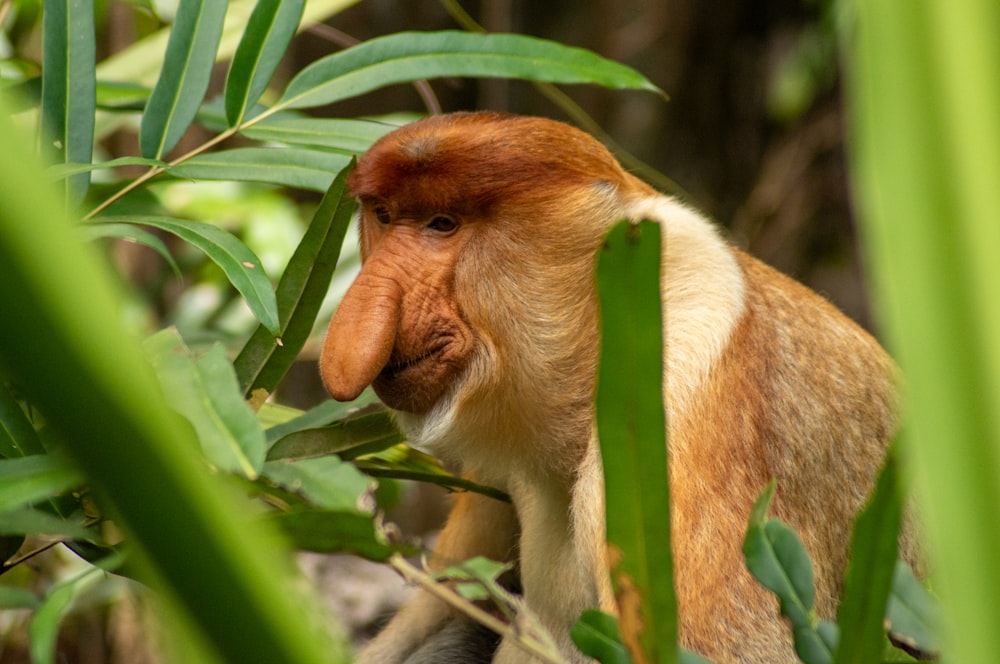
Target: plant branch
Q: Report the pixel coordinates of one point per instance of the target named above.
(14, 562)
(523, 640)
(156, 170)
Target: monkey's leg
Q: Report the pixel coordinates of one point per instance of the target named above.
(461, 641)
(477, 526)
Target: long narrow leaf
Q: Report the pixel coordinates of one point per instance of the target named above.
(69, 85)
(205, 392)
(348, 136)
(411, 56)
(869, 574)
(404, 462)
(342, 437)
(444, 480)
(141, 61)
(264, 360)
(70, 169)
(631, 425)
(324, 414)
(924, 93)
(12, 597)
(33, 478)
(268, 33)
(44, 627)
(17, 437)
(119, 96)
(130, 233)
(69, 353)
(292, 167)
(242, 267)
(36, 522)
(913, 616)
(187, 66)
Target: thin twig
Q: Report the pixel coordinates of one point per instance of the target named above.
(456, 601)
(14, 562)
(344, 40)
(462, 17)
(156, 170)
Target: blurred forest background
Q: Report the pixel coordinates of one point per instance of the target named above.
(752, 134)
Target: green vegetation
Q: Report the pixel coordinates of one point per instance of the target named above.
(210, 485)
(135, 428)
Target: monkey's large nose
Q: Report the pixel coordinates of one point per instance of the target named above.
(360, 337)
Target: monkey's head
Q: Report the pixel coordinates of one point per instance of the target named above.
(478, 236)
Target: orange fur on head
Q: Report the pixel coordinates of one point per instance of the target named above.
(475, 318)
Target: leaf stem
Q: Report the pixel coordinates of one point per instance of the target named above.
(523, 640)
(156, 170)
(28, 555)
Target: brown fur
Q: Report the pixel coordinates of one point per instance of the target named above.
(484, 339)
(811, 407)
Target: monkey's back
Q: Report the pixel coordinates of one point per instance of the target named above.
(801, 394)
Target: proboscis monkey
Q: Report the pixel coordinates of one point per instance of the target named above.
(475, 318)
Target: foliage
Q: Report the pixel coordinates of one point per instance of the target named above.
(877, 587)
(924, 89)
(631, 425)
(99, 436)
(777, 558)
(212, 483)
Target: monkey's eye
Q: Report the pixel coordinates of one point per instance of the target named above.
(443, 224)
(382, 214)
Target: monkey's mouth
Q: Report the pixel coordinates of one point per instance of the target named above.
(414, 383)
(399, 366)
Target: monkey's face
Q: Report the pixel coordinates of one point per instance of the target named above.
(474, 227)
(400, 326)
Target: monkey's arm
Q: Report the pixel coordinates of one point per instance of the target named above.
(477, 526)
(563, 561)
